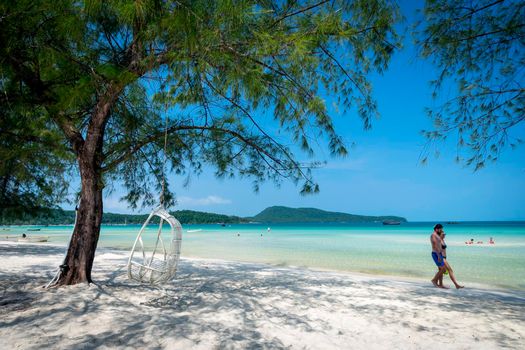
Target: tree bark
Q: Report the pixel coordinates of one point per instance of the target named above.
(81, 252)
(83, 243)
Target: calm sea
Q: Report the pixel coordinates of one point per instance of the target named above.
(372, 248)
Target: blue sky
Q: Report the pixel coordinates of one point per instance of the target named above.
(382, 174)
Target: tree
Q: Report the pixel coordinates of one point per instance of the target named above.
(223, 73)
(34, 161)
(479, 45)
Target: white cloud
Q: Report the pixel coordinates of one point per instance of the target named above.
(210, 200)
(113, 204)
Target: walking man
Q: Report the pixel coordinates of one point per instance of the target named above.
(437, 254)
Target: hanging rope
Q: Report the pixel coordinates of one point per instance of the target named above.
(157, 267)
(165, 156)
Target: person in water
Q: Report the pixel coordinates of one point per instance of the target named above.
(437, 254)
(447, 265)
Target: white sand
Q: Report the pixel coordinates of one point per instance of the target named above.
(229, 305)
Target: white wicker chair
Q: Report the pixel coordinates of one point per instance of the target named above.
(160, 264)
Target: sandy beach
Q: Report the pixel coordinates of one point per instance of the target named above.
(216, 304)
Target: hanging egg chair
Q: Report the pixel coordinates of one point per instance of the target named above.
(154, 257)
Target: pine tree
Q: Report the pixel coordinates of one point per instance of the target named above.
(104, 75)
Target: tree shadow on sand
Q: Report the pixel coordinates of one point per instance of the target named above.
(226, 304)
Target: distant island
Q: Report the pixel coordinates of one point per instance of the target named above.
(279, 214)
(275, 214)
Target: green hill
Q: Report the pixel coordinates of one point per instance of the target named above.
(278, 214)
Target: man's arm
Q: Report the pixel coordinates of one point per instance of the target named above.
(436, 246)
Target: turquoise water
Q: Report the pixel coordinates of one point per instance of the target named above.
(374, 249)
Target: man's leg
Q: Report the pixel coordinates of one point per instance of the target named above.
(438, 275)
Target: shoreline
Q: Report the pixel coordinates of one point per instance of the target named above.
(225, 304)
(349, 273)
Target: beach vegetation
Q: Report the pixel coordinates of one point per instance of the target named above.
(234, 86)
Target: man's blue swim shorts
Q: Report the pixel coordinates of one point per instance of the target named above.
(436, 260)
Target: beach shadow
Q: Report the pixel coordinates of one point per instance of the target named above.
(29, 249)
(227, 304)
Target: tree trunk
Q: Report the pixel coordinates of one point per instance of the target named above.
(81, 252)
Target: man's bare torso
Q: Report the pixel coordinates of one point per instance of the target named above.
(435, 241)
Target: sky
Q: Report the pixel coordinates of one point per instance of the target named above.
(383, 174)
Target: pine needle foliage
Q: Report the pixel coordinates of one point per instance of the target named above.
(480, 47)
(240, 83)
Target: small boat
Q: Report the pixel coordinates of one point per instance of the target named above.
(391, 222)
(34, 229)
(452, 223)
(26, 239)
(34, 239)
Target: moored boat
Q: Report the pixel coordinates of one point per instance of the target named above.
(27, 239)
(391, 222)
(33, 239)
